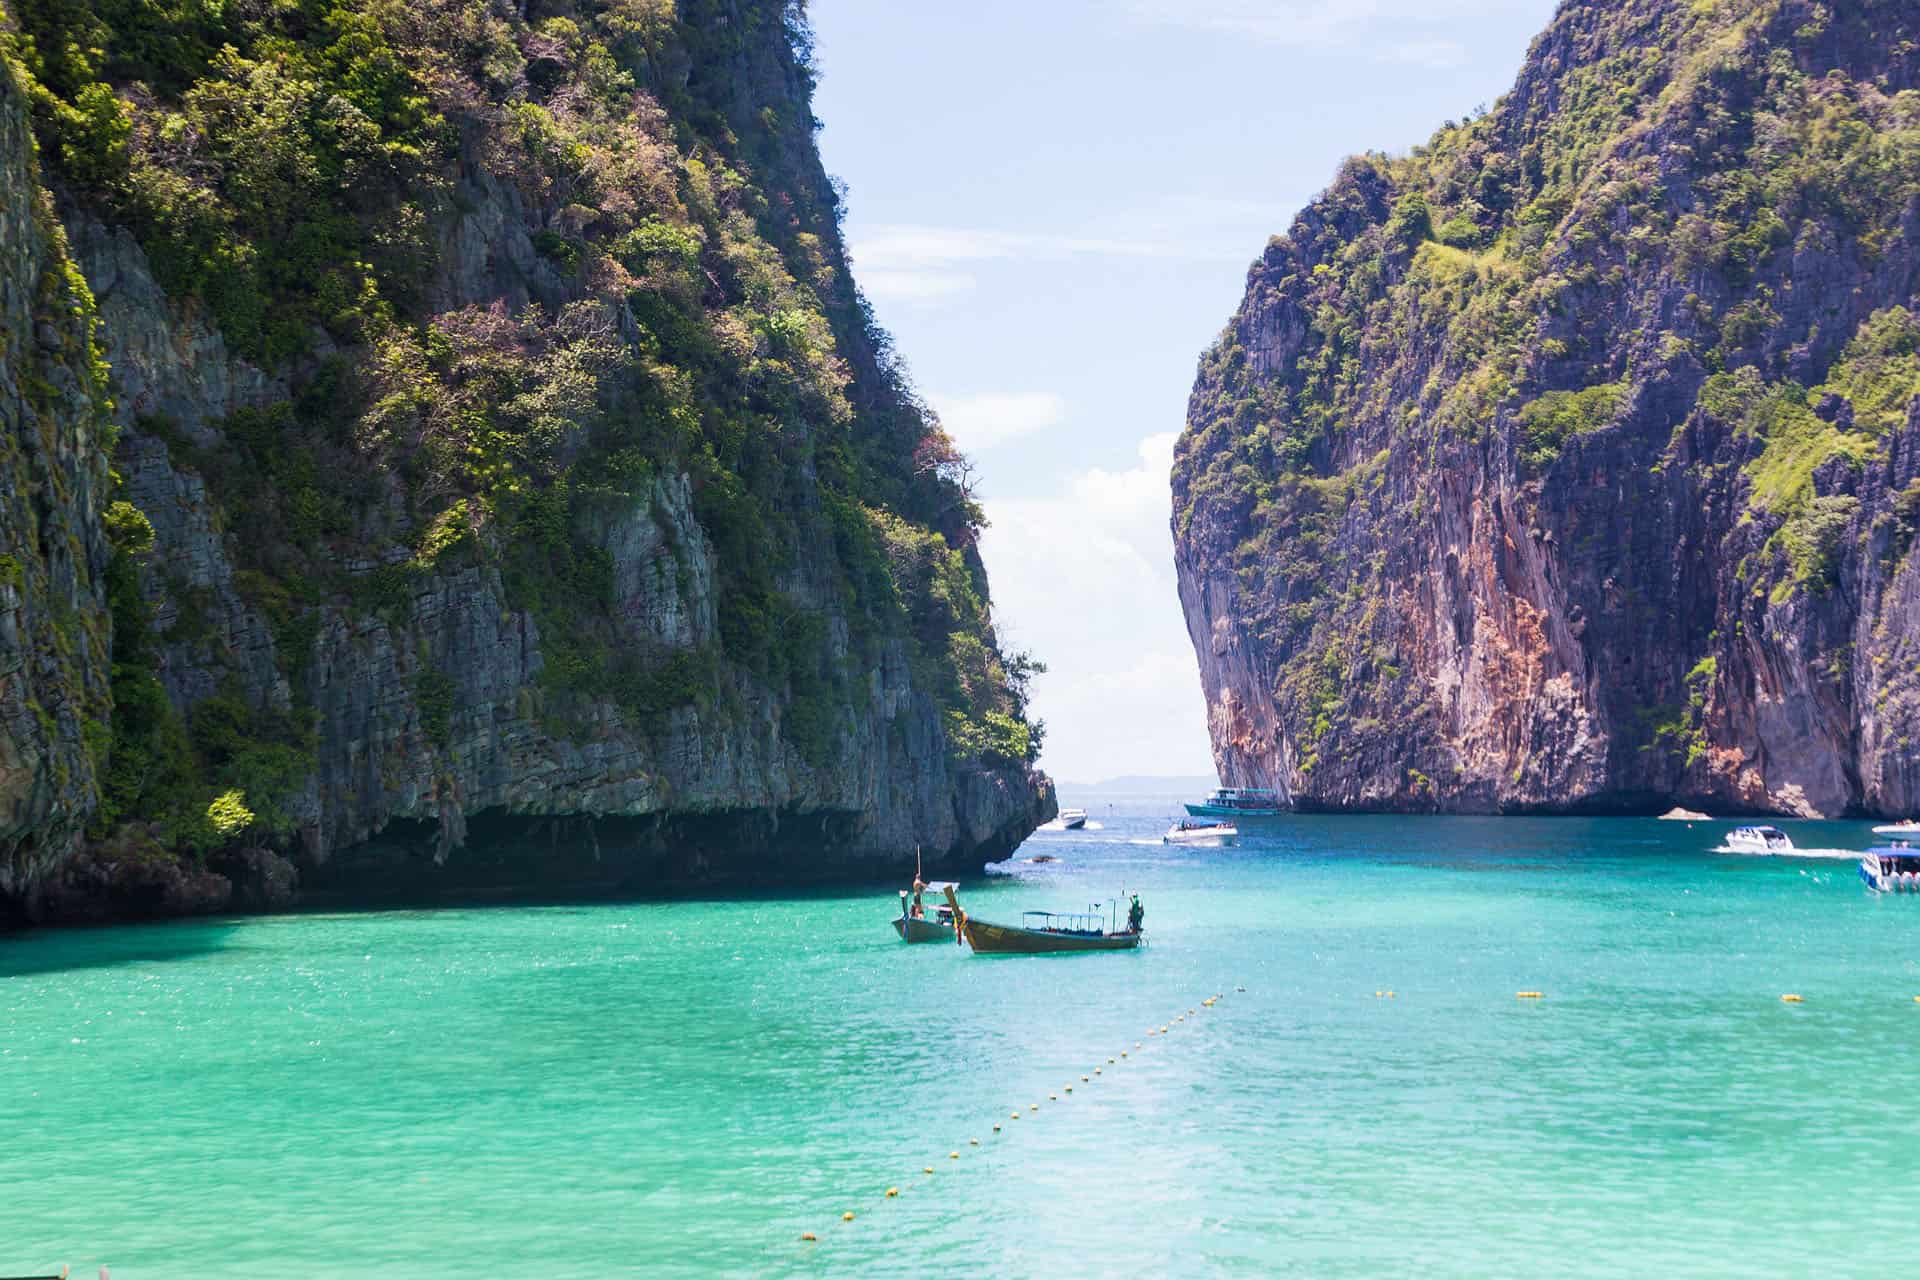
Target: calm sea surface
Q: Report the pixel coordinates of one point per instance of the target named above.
(683, 1088)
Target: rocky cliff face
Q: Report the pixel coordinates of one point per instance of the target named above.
(532, 499)
(1573, 461)
(54, 642)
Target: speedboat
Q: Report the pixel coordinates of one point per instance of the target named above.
(1893, 868)
(919, 922)
(1186, 831)
(1759, 840)
(1073, 819)
(1910, 827)
(1237, 802)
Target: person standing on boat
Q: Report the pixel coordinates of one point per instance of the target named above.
(1136, 914)
(919, 908)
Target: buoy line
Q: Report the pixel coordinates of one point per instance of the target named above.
(893, 1193)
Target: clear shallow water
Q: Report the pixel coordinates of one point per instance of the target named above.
(682, 1088)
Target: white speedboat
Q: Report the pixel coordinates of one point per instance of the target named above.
(1073, 819)
(1759, 840)
(1893, 868)
(1187, 831)
(1911, 827)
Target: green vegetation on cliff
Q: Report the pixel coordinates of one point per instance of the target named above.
(1638, 346)
(678, 305)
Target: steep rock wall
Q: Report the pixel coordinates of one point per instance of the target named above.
(1568, 462)
(600, 540)
(54, 642)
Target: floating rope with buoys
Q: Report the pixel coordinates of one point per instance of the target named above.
(893, 1193)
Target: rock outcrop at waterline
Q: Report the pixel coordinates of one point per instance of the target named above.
(1572, 462)
(509, 484)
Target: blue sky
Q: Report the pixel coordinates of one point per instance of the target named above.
(1053, 206)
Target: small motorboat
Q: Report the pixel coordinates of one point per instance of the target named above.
(1052, 932)
(1073, 819)
(1910, 827)
(1893, 868)
(1759, 840)
(1186, 831)
(918, 922)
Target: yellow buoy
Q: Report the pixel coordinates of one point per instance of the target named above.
(1083, 1079)
(892, 1192)
(1527, 995)
(1013, 1115)
(1053, 1097)
(1110, 1060)
(1378, 994)
(1123, 1053)
(1389, 995)
(973, 1142)
(808, 1235)
(1033, 1106)
(953, 1155)
(1791, 998)
(928, 1169)
(846, 1217)
(1069, 1088)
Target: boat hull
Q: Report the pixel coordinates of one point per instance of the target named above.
(1201, 809)
(988, 938)
(1074, 824)
(911, 930)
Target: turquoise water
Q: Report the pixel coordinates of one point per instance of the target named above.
(683, 1088)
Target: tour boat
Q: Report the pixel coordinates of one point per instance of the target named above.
(1759, 840)
(1911, 827)
(917, 923)
(1893, 868)
(1045, 932)
(1185, 832)
(1237, 802)
(1073, 819)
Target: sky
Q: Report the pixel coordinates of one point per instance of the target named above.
(1053, 205)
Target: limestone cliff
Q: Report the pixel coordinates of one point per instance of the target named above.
(1573, 460)
(54, 644)
(532, 497)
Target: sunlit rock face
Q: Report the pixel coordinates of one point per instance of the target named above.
(1572, 461)
(532, 497)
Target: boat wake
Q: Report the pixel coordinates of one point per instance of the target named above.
(1850, 854)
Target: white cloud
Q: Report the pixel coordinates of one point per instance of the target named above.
(916, 263)
(1442, 55)
(1318, 24)
(990, 418)
(1084, 578)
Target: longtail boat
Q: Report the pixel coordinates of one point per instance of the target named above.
(928, 926)
(1043, 933)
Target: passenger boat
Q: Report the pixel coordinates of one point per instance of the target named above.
(1189, 832)
(917, 923)
(1046, 932)
(1893, 868)
(1911, 827)
(1237, 802)
(1759, 840)
(1073, 819)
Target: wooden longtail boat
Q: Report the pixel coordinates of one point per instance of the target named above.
(1042, 933)
(935, 925)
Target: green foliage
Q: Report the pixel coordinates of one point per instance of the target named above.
(12, 574)
(128, 528)
(433, 694)
(228, 815)
(1549, 421)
